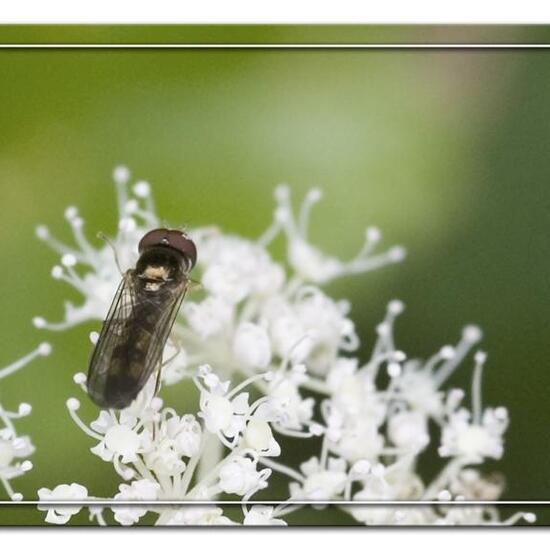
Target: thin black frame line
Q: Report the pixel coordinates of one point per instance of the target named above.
(110, 502)
(451, 46)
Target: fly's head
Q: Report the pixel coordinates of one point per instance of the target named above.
(169, 240)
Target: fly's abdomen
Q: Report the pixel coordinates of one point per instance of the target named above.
(129, 358)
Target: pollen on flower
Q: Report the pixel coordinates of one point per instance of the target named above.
(24, 409)
(45, 348)
(71, 215)
(447, 352)
(71, 212)
(530, 517)
(79, 378)
(472, 334)
(480, 357)
(396, 307)
(42, 232)
(68, 260)
(131, 207)
(73, 404)
(142, 189)
(373, 234)
(121, 174)
(57, 272)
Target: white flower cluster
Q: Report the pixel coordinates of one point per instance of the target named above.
(15, 448)
(258, 329)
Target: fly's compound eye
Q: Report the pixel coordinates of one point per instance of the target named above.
(153, 238)
(186, 246)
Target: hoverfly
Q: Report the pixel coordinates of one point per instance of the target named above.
(140, 318)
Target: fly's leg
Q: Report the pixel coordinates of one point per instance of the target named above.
(157, 389)
(159, 379)
(159, 371)
(178, 347)
(157, 383)
(103, 237)
(159, 376)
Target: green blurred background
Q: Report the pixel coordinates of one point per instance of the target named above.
(446, 150)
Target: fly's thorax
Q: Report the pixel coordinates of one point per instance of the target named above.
(158, 267)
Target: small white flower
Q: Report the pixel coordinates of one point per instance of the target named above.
(307, 260)
(251, 346)
(241, 477)
(99, 283)
(120, 438)
(179, 438)
(290, 411)
(409, 429)
(311, 328)
(261, 515)
(477, 435)
(419, 390)
(321, 482)
(353, 439)
(420, 383)
(396, 483)
(259, 438)
(354, 393)
(474, 441)
(235, 268)
(209, 317)
(11, 448)
(185, 433)
(164, 459)
(196, 515)
(223, 415)
(61, 513)
(143, 489)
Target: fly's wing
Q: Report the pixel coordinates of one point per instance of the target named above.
(114, 334)
(131, 342)
(162, 331)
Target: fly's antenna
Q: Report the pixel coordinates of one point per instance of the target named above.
(103, 237)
